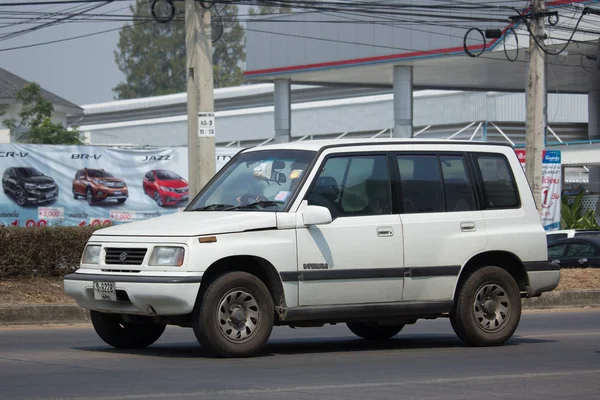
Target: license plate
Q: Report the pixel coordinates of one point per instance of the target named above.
(118, 193)
(105, 291)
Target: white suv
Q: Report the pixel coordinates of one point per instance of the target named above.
(372, 233)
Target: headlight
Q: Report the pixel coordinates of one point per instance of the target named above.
(167, 256)
(31, 186)
(167, 189)
(91, 254)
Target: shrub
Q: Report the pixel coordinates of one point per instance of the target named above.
(41, 251)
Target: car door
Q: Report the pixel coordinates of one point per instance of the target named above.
(357, 258)
(579, 254)
(80, 183)
(443, 227)
(6, 181)
(148, 184)
(556, 252)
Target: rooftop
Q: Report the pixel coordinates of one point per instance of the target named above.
(316, 145)
(10, 84)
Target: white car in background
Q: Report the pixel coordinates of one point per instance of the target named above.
(553, 236)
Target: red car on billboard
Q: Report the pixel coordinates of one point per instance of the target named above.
(165, 187)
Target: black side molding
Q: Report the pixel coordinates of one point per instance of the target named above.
(369, 311)
(369, 273)
(128, 278)
(540, 266)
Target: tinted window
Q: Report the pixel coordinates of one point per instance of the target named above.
(500, 190)
(457, 186)
(421, 181)
(580, 250)
(556, 251)
(353, 186)
(587, 233)
(555, 236)
(96, 173)
(164, 175)
(27, 172)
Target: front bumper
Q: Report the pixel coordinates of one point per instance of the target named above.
(139, 295)
(543, 277)
(41, 197)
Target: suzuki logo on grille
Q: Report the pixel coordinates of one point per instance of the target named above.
(123, 256)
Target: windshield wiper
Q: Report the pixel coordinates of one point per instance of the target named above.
(262, 203)
(212, 207)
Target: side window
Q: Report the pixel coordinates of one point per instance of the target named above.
(499, 187)
(557, 250)
(80, 175)
(580, 250)
(421, 181)
(457, 185)
(353, 186)
(552, 237)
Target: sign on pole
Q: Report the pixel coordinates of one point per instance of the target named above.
(551, 187)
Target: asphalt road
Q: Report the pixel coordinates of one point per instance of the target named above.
(554, 355)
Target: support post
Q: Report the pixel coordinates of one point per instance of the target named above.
(200, 96)
(594, 126)
(535, 128)
(283, 111)
(403, 102)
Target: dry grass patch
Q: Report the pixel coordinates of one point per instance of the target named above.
(579, 278)
(33, 291)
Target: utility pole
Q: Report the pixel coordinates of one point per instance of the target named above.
(535, 128)
(200, 97)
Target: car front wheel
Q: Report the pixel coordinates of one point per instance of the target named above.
(235, 316)
(487, 310)
(125, 335)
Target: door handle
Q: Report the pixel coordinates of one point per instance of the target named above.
(468, 226)
(385, 231)
(582, 260)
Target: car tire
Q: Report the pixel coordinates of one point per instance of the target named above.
(20, 197)
(373, 331)
(158, 199)
(89, 196)
(121, 201)
(75, 195)
(487, 308)
(124, 335)
(234, 317)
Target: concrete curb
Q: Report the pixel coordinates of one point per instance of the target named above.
(42, 314)
(51, 314)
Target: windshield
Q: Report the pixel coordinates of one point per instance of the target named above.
(94, 173)
(258, 180)
(167, 175)
(28, 172)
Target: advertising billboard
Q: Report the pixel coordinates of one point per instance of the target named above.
(551, 187)
(55, 185)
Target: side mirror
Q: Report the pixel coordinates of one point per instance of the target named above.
(316, 215)
(555, 262)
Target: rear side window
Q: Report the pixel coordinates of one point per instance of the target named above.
(457, 186)
(557, 250)
(421, 182)
(499, 187)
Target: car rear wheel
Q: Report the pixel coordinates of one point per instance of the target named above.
(125, 335)
(487, 310)
(235, 316)
(374, 331)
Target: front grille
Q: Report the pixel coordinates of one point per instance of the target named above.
(46, 188)
(124, 256)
